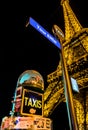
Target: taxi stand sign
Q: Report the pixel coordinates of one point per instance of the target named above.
(46, 34)
(32, 103)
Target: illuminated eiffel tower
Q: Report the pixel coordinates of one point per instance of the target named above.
(75, 44)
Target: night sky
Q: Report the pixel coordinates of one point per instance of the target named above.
(24, 48)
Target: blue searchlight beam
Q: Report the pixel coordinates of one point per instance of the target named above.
(39, 28)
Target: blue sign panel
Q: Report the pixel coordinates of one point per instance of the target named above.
(39, 28)
(74, 85)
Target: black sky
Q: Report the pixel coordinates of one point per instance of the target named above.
(24, 48)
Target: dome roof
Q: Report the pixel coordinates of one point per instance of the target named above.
(31, 78)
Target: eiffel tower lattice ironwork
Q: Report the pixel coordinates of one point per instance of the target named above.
(75, 44)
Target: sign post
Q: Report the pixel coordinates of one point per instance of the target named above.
(68, 94)
(67, 81)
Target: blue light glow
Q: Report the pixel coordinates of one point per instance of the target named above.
(24, 78)
(39, 28)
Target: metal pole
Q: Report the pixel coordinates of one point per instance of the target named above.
(68, 94)
(67, 81)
